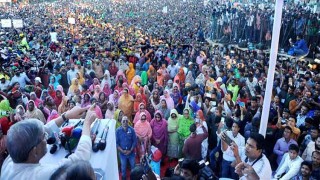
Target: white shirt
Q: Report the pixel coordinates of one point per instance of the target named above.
(290, 167)
(239, 140)
(71, 74)
(23, 171)
(173, 70)
(22, 80)
(307, 153)
(4, 86)
(261, 167)
(251, 85)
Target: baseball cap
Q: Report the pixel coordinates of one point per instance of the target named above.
(38, 79)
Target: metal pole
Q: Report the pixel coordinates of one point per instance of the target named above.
(272, 66)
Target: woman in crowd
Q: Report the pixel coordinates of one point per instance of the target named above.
(63, 107)
(110, 111)
(142, 109)
(58, 98)
(114, 98)
(34, 97)
(185, 122)
(126, 104)
(159, 128)
(74, 87)
(96, 92)
(80, 78)
(102, 101)
(34, 112)
(130, 73)
(97, 108)
(106, 83)
(166, 96)
(173, 142)
(144, 133)
(54, 82)
(138, 100)
(95, 83)
(86, 100)
(154, 102)
(118, 114)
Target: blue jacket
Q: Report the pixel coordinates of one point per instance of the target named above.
(301, 44)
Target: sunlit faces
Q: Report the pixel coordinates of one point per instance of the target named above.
(186, 113)
(251, 150)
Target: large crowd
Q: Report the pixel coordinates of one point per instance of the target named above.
(173, 94)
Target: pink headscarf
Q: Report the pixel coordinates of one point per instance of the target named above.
(166, 96)
(143, 129)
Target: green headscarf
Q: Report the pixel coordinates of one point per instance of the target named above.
(5, 108)
(184, 125)
(144, 78)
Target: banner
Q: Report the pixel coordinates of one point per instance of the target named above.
(53, 36)
(71, 20)
(165, 10)
(17, 23)
(4, 1)
(6, 23)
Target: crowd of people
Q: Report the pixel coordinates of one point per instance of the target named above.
(172, 94)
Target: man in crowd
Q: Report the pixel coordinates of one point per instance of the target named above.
(192, 145)
(291, 164)
(228, 156)
(252, 163)
(126, 142)
(27, 145)
(282, 145)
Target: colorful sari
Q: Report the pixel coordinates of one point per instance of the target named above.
(144, 133)
(126, 105)
(159, 132)
(173, 143)
(35, 113)
(137, 116)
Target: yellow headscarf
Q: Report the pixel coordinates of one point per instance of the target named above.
(130, 73)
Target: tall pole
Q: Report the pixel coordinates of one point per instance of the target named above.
(272, 66)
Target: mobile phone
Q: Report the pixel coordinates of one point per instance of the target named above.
(241, 104)
(228, 140)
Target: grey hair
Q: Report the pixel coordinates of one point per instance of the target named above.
(22, 137)
(124, 117)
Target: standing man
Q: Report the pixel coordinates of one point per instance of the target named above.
(126, 142)
(228, 156)
(192, 145)
(71, 74)
(252, 163)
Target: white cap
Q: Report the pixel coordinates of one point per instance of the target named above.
(190, 63)
(38, 79)
(219, 79)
